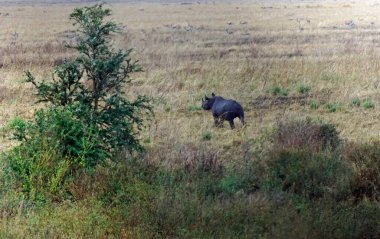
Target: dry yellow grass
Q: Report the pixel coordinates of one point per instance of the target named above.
(237, 50)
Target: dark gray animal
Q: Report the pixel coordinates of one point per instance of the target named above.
(223, 109)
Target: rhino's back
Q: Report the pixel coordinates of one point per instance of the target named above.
(228, 107)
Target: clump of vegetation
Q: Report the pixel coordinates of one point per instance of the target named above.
(304, 161)
(314, 105)
(368, 104)
(206, 136)
(307, 173)
(193, 108)
(88, 118)
(365, 159)
(277, 91)
(333, 107)
(303, 89)
(55, 146)
(306, 134)
(356, 102)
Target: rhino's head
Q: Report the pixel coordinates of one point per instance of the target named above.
(208, 102)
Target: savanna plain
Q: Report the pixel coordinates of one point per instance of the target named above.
(305, 165)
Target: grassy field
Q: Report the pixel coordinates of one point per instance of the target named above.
(238, 51)
(283, 61)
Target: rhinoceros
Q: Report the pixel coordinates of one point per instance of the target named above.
(223, 109)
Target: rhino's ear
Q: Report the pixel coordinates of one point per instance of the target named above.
(206, 98)
(212, 94)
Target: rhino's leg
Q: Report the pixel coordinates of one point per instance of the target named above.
(242, 119)
(232, 124)
(220, 125)
(217, 122)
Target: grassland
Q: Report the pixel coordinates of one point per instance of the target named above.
(237, 50)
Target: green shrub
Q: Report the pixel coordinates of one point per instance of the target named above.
(332, 107)
(303, 89)
(355, 102)
(53, 148)
(15, 128)
(277, 91)
(368, 104)
(102, 102)
(167, 108)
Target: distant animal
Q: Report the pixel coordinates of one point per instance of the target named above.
(223, 109)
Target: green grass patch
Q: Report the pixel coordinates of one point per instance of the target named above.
(206, 136)
(277, 91)
(355, 102)
(193, 108)
(368, 104)
(314, 104)
(333, 107)
(303, 89)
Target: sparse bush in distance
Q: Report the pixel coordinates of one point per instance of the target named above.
(356, 102)
(277, 91)
(333, 107)
(167, 108)
(303, 89)
(368, 104)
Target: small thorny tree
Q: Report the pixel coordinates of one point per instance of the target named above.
(92, 84)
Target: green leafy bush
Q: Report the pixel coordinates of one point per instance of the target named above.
(54, 146)
(101, 101)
